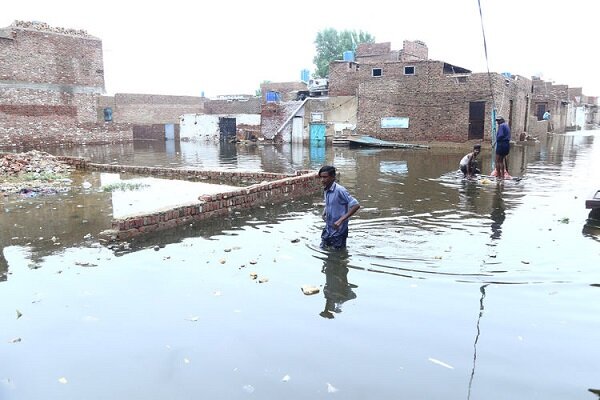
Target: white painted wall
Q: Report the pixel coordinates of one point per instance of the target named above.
(204, 127)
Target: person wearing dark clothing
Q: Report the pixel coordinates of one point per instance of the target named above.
(339, 207)
(502, 147)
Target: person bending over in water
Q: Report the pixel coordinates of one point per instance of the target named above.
(468, 164)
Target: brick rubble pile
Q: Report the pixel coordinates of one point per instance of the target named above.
(32, 171)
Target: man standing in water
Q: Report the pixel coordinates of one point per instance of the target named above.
(502, 147)
(548, 117)
(339, 207)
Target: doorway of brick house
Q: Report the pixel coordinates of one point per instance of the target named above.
(476, 119)
(227, 129)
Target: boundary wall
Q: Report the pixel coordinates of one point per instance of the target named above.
(265, 188)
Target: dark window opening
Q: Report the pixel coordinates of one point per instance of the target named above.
(409, 70)
(377, 72)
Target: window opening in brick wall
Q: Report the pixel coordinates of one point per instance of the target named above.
(409, 70)
(316, 117)
(377, 72)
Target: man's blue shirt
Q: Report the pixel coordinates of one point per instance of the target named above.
(503, 134)
(337, 203)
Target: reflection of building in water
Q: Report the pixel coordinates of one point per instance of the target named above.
(337, 290)
(3, 267)
(498, 214)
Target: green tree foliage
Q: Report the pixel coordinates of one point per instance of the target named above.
(258, 92)
(331, 44)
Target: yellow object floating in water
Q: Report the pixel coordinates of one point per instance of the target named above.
(485, 181)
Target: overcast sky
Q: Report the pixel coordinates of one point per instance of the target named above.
(230, 46)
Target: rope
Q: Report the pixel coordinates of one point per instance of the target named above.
(487, 62)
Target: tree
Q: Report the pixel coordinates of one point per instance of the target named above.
(330, 45)
(258, 92)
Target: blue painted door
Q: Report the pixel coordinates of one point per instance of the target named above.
(169, 131)
(317, 134)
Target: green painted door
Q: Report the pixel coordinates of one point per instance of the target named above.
(317, 133)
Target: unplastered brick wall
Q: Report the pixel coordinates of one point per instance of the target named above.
(48, 103)
(233, 106)
(38, 53)
(50, 79)
(414, 50)
(40, 134)
(211, 206)
(343, 78)
(272, 116)
(368, 52)
(231, 177)
(149, 108)
(436, 104)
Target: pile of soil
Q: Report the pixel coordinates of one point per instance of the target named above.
(33, 172)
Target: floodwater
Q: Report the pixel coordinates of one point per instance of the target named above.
(448, 289)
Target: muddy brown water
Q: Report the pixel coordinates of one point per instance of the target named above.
(448, 289)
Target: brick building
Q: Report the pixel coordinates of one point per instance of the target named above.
(403, 96)
(50, 81)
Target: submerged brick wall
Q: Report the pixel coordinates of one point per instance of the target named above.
(265, 187)
(221, 204)
(177, 173)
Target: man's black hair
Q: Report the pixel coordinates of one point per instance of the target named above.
(329, 169)
(477, 147)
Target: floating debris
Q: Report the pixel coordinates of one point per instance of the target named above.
(331, 388)
(63, 380)
(443, 364)
(253, 275)
(15, 340)
(19, 314)
(85, 264)
(309, 290)
(286, 378)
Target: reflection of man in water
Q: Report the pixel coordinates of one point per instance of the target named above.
(337, 290)
(498, 215)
